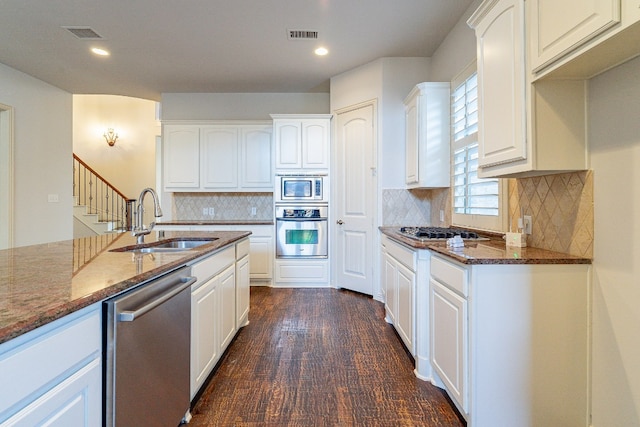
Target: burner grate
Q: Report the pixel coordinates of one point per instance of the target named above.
(438, 233)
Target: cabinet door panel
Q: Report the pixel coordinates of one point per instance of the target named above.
(74, 402)
(404, 318)
(227, 307)
(242, 292)
(449, 342)
(411, 158)
(390, 268)
(501, 84)
(288, 146)
(181, 155)
(256, 158)
(220, 157)
(204, 346)
(315, 149)
(557, 27)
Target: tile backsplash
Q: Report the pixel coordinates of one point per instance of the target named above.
(561, 207)
(227, 206)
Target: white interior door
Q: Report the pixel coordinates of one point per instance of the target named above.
(355, 195)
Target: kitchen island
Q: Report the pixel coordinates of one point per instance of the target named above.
(52, 322)
(42, 283)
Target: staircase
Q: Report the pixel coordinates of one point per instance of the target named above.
(99, 207)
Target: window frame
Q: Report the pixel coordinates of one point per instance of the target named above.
(476, 221)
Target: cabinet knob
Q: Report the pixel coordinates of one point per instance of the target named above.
(339, 222)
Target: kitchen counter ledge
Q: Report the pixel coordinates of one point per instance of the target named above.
(42, 283)
(216, 222)
(493, 251)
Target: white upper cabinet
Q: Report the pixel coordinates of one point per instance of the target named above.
(525, 129)
(559, 26)
(181, 157)
(217, 157)
(427, 136)
(501, 82)
(302, 141)
(256, 157)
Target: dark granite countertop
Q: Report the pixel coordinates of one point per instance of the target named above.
(217, 222)
(493, 251)
(42, 283)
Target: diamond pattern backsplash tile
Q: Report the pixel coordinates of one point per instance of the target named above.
(561, 207)
(406, 207)
(226, 206)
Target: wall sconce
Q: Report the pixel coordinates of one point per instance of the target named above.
(110, 136)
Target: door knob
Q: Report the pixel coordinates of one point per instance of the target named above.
(339, 222)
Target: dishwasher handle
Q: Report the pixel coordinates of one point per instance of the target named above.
(130, 316)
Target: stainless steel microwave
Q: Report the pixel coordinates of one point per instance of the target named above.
(301, 188)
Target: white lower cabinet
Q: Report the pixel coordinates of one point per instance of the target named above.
(243, 289)
(449, 331)
(405, 273)
(53, 375)
(301, 273)
(213, 318)
(509, 342)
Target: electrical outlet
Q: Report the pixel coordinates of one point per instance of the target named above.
(253, 211)
(205, 211)
(527, 224)
(441, 215)
(212, 211)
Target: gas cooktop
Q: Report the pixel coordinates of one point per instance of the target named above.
(438, 233)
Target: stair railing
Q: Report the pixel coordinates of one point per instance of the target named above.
(100, 197)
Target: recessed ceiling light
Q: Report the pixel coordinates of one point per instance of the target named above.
(99, 51)
(321, 51)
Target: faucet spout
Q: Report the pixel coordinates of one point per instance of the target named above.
(139, 230)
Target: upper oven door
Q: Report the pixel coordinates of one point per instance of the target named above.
(301, 188)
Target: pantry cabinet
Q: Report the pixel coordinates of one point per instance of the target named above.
(560, 26)
(217, 157)
(525, 128)
(301, 141)
(53, 374)
(427, 111)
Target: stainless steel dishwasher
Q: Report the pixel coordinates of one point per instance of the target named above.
(147, 340)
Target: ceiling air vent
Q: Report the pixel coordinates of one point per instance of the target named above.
(302, 34)
(84, 33)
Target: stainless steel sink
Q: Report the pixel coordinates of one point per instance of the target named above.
(169, 245)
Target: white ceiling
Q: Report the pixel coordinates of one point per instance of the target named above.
(214, 45)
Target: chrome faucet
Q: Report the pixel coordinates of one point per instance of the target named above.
(139, 230)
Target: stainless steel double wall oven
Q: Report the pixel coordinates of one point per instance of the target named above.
(302, 216)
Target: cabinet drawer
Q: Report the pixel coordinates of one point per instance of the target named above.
(209, 267)
(450, 275)
(242, 248)
(402, 254)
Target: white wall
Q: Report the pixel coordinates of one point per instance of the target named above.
(389, 81)
(456, 51)
(240, 106)
(42, 157)
(614, 139)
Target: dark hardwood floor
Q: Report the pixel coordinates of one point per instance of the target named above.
(319, 357)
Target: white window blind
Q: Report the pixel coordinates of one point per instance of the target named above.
(476, 202)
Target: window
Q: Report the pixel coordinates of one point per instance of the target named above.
(476, 202)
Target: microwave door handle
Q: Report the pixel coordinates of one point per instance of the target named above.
(301, 219)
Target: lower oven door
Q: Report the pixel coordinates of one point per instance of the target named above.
(301, 238)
